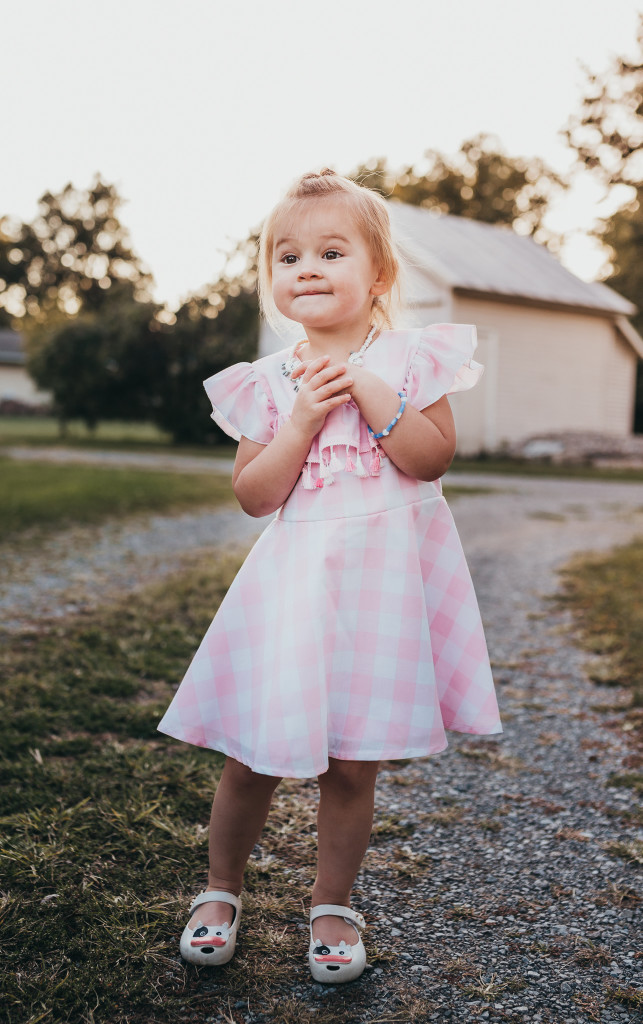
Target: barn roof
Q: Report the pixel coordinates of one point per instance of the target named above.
(492, 260)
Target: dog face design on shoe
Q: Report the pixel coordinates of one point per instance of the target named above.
(332, 956)
(205, 938)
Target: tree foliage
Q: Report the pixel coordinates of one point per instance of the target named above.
(480, 182)
(101, 365)
(607, 135)
(122, 363)
(198, 345)
(607, 132)
(72, 284)
(71, 258)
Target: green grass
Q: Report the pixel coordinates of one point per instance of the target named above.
(45, 430)
(605, 595)
(42, 494)
(101, 816)
(117, 435)
(103, 820)
(103, 826)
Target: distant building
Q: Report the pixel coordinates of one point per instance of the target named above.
(559, 353)
(15, 383)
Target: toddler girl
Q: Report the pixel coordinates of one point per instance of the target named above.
(352, 633)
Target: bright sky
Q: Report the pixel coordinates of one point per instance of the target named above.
(202, 112)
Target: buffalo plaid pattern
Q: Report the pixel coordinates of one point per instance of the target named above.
(352, 629)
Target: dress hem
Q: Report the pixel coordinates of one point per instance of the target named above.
(313, 773)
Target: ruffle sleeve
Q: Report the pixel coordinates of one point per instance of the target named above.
(242, 403)
(442, 364)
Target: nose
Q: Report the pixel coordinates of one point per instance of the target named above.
(307, 271)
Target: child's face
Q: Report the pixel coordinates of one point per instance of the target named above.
(323, 275)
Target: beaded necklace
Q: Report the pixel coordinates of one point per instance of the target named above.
(289, 364)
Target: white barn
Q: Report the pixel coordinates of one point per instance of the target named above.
(15, 383)
(559, 352)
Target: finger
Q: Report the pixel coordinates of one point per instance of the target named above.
(309, 369)
(332, 387)
(332, 403)
(327, 373)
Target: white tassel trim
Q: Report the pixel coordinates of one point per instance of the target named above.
(335, 464)
(353, 464)
(325, 473)
(359, 466)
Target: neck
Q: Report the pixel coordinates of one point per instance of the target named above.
(337, 343)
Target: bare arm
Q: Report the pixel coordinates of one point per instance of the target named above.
(422, 444)
(264, 475)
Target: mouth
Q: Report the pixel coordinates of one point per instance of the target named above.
(300, 294)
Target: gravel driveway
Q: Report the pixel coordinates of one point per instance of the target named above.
(492, 876)
(533, 919)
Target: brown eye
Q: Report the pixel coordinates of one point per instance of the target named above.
(332, 254)
(288, 259)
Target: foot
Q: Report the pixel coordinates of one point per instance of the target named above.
(212, 913)
(333, 958)
(211, 945)
(330, 930)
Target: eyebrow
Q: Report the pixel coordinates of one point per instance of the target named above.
(290, 238)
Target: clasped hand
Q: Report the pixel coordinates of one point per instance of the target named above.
(323, 387)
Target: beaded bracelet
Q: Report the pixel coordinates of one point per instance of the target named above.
(396, 418)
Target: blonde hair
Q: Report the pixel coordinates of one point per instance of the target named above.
(372, 219)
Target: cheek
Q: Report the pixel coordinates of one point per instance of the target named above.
(280, 293)
(278, 284)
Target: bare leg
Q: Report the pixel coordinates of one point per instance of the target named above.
(239, 811)
(344, 822)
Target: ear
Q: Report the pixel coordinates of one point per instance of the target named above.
(380, 285)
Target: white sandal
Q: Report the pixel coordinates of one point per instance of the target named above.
(334, 964)
(210, 946)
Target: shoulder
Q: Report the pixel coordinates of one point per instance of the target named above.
(261, 371)
(441, 362)
(399, 347)
(434, 342)
(400, 336)
(271, 365)
(447, 333)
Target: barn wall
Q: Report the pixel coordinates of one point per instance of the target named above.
(620, 390)
(554, 371)
(16, 384)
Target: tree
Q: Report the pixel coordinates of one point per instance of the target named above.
(607, 136)
(480, 182)
(212, 331)
(73, 256)
(101, 365)
(80, 296)
(607, 133)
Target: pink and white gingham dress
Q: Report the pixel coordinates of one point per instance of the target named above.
(352, 629)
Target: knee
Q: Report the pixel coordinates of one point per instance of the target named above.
(242, 777)
(350, 778)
